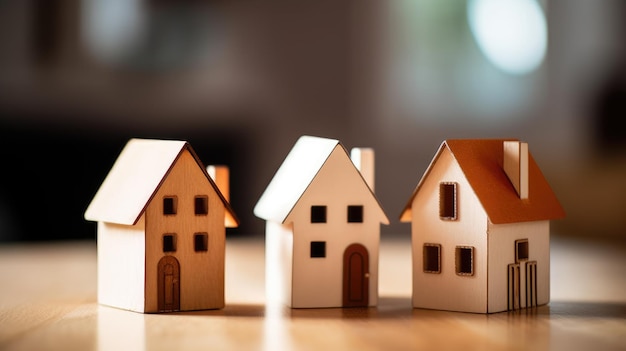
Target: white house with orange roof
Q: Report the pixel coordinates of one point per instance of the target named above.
(480, 228)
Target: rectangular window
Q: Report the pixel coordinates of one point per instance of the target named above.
(464, 260)
(355, 214)
(201, 242)
(318, 214)
(447, 201)
(169, 205)
(521, 250)
(432, 258)
(169, 242)
(201, 205)
(318, 249)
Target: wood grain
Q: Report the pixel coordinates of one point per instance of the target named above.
(48, 302)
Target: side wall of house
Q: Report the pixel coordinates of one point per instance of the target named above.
(502, 239)
(121, 265)
(318, 281)
(201, 272)
(278, 263)
(447, 290)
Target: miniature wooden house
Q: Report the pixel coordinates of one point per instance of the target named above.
(161, 230)
(322, 227)
(480, 228)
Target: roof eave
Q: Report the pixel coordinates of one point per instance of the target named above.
(406, 214)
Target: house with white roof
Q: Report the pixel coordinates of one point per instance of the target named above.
(322, 227)
(161, 230)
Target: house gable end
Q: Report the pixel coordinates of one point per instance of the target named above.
(338, 182)
(135, 176)
(481, 163)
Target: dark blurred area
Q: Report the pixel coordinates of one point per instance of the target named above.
(241, 81)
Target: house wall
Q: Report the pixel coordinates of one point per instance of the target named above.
(201, 273)
(502, 239)
(447, 290)
(121, 260)
(278, 263)
(317, 282)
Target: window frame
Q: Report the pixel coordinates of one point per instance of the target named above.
(443, 201)
(355, 210)
(204, 202)
(459, 261)
(204, 236)
(315, 247)
(517, 250)
(426, 258)
(173, 243)
(317, 212)
(173, 207)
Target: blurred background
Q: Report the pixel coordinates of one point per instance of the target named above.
(242, 80)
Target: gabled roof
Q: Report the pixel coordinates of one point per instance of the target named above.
(481, 162)
(135, 177)
(302, 164)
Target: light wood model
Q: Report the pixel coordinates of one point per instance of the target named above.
(322, 228)
(480, 228)
(161, 230)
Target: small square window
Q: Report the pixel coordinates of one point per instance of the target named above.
(169, 205)
(432, 258)
(355, 214)
(318, 214)
(169, 242)
(201, 242)
(447, 201)
(318, 249)
(521, 250)
(464, 260)
(201, 205)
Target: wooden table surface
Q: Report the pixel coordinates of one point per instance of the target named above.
(48, 302)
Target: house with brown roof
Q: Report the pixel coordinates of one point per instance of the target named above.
(161, 230)
(480, 228)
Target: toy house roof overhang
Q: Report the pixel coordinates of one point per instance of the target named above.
(135, 177)
(481, 161)
(298, 170)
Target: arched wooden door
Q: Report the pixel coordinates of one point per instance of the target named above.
(355, 276)
(168, 284)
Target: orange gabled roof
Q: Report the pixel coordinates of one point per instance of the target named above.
(481, 162)
(136, 176)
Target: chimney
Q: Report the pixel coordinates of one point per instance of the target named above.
(516, 166)
(363, 159)
(220, 176)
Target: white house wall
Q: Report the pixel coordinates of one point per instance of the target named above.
(502, 239)
(121, 258)
(318, 282)
(278, 262)
(447, 290)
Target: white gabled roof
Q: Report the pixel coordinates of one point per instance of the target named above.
(296, 173)
(135, 177)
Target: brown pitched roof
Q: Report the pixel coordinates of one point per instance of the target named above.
(481, 162)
